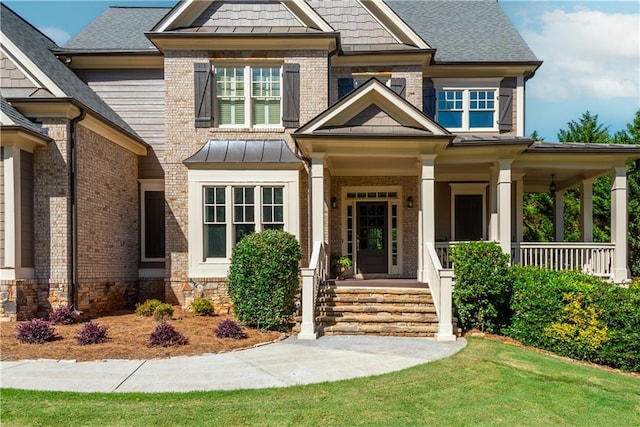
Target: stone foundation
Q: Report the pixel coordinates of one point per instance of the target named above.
(18, 299)
(102, 297)
(151, 288)
(214, 289)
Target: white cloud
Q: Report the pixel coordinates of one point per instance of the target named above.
(58, 35)
(586, 53)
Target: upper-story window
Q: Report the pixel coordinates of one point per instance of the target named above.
(467, 109)
(249, 96)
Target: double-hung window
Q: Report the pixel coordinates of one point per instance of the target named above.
(249, 96)
(467, 109)
(233, 212)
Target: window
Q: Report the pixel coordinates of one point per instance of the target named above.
(152, 220)
(466, 109)
(249, 96)
(245, 219)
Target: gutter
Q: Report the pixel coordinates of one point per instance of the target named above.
(73, 191)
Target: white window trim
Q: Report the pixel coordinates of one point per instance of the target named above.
(468, 189)
(248, 98)
(199, 179)
(466, 86)
(147, 185)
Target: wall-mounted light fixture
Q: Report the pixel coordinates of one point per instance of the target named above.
(334, 202)
(552, 186)
(410, 201)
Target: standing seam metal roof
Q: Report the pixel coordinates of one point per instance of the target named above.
(243, 151)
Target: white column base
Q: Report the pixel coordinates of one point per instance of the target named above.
(307, 333)
(443, 337)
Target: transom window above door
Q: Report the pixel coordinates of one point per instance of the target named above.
(249, 96)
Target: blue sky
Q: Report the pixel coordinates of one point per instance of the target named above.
(590, 49)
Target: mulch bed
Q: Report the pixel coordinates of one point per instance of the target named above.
(128, 336)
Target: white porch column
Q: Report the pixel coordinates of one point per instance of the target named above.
(619, 223)
(308, 327)
(519, 202)
(558, 215)
(317, 198)
(504, 205)
(586, 210)
(11, 163)
(427, 206)
(494, 232)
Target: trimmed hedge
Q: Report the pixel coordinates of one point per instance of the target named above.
(576, 315)
(481, 293)
(263, 278)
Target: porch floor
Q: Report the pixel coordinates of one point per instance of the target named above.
(378, 283)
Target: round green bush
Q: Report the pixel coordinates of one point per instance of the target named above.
(202, 307)
(163, 311)
(263, 278)
(147, 308)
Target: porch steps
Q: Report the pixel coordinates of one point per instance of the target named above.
(376, 311)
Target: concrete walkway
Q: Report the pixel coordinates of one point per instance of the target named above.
(282, 364)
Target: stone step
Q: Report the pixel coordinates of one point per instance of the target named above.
(399, 319)
(379, 308)
(381, 329)
(374, 299)
(388, 291)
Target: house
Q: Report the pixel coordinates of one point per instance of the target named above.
(156, 138)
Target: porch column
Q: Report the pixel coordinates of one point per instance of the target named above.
(317, 198)
(558, 215)
(12, 206)
(427, 206)
(586, 210)
(494, 232)
(519, 214)
(504, 205)
(619, 223)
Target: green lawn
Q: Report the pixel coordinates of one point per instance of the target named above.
(488, 383)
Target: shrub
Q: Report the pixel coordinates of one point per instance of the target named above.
(230, 329)
(163, 311)
(538, 301)
(147, 308)
(92, 333)
(62, 316)
(35, 331)
(482, 286)
(263, 278)
(202, 307)
(165, 335)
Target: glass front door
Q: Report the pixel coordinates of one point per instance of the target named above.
(372, 245)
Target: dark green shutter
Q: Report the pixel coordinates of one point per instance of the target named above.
(505, 99)
(291, 95)
(204, 94)
(399, 86)
(345, 85)
(428, 98)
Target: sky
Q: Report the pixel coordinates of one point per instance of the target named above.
(590, 52)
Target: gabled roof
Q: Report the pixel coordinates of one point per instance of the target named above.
(23, 41)
(372, 110)
(11, 117)
(119, 29)
(465, 31)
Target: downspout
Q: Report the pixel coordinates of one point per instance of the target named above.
(73, 190)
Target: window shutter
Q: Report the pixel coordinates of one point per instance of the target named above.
(428, 98)
(345, 85)
(291, 95)
(204, 94)
(399, 86)
(507, 85)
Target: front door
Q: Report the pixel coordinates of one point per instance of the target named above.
(372, 243)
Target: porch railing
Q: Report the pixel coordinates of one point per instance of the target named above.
(312, 277)
(591, 258)
(440, 282)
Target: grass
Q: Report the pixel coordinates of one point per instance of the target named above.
(488, 383)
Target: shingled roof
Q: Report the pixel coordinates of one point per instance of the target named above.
(37, 47)
(119, 28)
(465, 31)
(17, 119)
